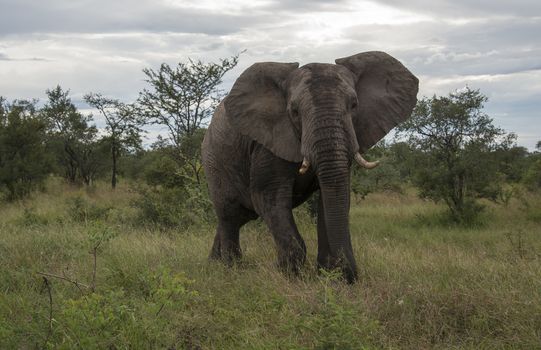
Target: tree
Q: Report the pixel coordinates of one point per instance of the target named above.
(385, 177)
(24, 161)
(123, 127)
(182, 98)
(532, 175)
(454, 143)
(71, 135)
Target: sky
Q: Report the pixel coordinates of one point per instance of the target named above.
(103, 45)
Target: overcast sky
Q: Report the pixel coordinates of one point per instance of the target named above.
(102, 46)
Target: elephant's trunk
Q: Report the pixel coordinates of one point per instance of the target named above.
(331, 159)
(334, 185)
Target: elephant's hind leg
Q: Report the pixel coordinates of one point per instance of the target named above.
(226, 246)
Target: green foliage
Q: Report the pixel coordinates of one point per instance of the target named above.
(98, 321)
(81, 209)
(72, 139)
(174, 207)
(100, 234)
(123, 127)
(164, 172)
(112, 318)
(169, 289)
(384, 178)
(422, 285)
(454, 144)
(337, 325)
(30, 218)
(532, 176)
(24, 161)
(183, 98)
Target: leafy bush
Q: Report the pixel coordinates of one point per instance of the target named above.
(31, 218)
(82, 210)
(532, 177)
(334, 323)
(455, 146)
(24, 161)
(164, 172)
(113, 319)
(174, 207)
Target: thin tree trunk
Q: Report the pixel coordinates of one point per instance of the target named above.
(114, 154)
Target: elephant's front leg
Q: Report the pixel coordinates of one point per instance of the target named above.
(272, 181)
(289, 243)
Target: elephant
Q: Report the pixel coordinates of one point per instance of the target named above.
(285, 131)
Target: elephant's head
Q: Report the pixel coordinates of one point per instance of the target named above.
(324, 115)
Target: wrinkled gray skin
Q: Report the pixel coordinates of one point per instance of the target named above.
(277, 114)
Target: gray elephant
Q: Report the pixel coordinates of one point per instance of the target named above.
(284, 132)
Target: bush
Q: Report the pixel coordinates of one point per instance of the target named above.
(164, 172)
(31, 218)
(532, 177)
(81, 210)
(114, 319)
(174, 207)
(24, 161)
(455, 148)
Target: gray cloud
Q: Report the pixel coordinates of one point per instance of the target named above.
(4, 57)
(466, 8)
(57, 16)
(102, 46)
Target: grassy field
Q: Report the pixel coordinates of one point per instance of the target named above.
(423, 283)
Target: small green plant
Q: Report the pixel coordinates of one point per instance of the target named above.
(98, 234)
(507, 193)
(112, 318)
(336, 322)
(98, 321)
(168, 289)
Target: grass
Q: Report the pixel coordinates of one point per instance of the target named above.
(423, 282)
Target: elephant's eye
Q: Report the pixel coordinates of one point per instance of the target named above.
(295, 111)
(353, 105)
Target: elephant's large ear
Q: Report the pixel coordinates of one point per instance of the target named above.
(257, 107)
(386, 91)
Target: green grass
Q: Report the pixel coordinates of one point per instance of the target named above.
(423, 282)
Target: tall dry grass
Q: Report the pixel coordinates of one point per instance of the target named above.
(424, 283)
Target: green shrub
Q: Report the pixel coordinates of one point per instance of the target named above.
(98, 321)
(333, 322)
(532, 177)
(24, 160)
(82, 210)
(114, 319)
(164, 172)
(31, 218)
(174, 207)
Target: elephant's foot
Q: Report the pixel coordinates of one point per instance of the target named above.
(228, 257)
(291, 259)
(229, 254)
(328, 263)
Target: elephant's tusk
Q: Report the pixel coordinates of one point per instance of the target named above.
(304, 167)
(364, 163)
